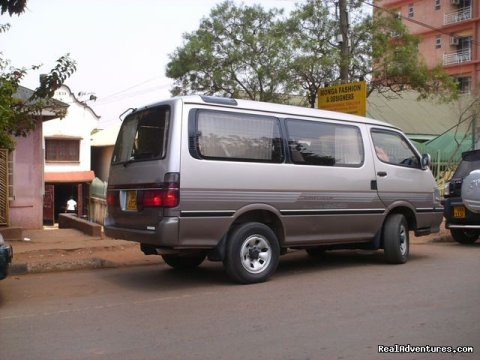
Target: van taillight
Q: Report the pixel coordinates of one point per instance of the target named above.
(172, 197)
(112, 198)
(168, 196)
(153, 198)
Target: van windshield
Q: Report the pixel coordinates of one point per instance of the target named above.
(143, 136)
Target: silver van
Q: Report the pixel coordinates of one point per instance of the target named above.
(242, 182)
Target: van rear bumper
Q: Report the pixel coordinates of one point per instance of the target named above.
(165, 233)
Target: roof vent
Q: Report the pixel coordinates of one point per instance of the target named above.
(219, 100)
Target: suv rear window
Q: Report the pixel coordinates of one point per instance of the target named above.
(470, 161)
(143, 136)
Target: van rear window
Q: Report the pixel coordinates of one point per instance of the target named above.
(238, 137)
(143, 136)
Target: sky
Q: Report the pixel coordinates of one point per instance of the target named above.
(121, 46)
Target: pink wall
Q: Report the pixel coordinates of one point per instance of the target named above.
(26, 210)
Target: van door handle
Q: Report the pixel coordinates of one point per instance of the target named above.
(382, 173)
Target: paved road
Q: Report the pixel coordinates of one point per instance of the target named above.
(341, 307)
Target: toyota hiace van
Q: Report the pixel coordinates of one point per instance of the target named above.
(242, 182)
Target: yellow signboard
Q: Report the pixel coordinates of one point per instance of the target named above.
(348, 98)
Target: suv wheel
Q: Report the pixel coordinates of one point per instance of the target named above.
(396, 239)
(252, 253)
(465, 236)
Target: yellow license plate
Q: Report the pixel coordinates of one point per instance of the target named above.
(132, 200)
(458, 211)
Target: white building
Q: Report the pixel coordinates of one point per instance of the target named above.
(67, 156)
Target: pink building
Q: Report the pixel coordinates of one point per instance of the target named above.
(23, 205)
(450, 32)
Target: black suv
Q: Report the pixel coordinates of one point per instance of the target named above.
(462, 199)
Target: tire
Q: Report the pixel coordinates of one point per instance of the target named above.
(396, 242)
(465, 236)
(252, 253)
(184, 261)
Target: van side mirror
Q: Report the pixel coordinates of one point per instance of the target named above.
(426, 161)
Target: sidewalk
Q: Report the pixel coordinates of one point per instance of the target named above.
(52, 249)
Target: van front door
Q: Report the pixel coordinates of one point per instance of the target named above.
(399, 175)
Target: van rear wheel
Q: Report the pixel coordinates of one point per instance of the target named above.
(190, 261)
(252, 253)
(395, 239)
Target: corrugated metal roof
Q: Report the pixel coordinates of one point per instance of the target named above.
(425, 117)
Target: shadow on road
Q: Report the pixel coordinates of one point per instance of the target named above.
(155, 278)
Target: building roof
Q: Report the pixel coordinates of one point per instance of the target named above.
(82, 103)
(25, 94)
(427, 118)
(423, 120)
(68, 177)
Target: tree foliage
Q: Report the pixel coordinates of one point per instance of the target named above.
(313, 51)
(250, 52)
(234, 51)
(18, 115)
(13, 7)
(398, 64)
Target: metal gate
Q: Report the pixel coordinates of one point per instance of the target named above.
(3, 187)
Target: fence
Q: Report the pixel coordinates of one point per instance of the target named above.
(98, 202)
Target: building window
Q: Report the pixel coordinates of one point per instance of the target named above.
(438, 4)
(464, 84)
(438, 41)
(410, 10)
(62, 150)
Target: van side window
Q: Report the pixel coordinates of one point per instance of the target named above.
(238, 137)
(325, 144)
(392, 148)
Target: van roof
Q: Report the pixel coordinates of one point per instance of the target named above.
(284, 110)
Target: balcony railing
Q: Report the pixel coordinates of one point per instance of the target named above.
(457, 57)
(457, 16)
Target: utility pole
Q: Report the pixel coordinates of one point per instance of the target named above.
(344, 43)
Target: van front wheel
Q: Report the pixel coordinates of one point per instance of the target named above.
(252, 253)
(396, 239)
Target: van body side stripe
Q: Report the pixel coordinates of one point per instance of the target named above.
(304, 212)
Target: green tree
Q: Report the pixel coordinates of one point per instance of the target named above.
(398, 64)
(312, 50)
(381, 51)
(252, 52)
(235, 52)
(17, 116)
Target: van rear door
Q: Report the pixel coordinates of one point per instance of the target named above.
(142, 181)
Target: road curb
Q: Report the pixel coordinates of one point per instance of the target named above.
(70, 265)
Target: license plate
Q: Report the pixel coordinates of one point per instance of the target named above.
(458, 211)
(131, 200)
